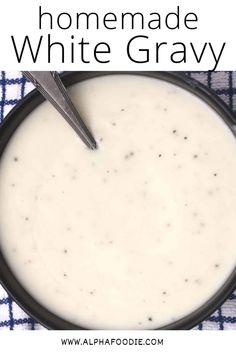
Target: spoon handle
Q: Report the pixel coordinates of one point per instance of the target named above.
(49, 84)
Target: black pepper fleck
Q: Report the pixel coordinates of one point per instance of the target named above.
(160, 155)
(122, 109)
(114, 124)
(65, 250)
(174, 131)
(130, 154)
(185, 138)
(215, 174)
(216, 265)
(16, 159)
(195, 156)
(150, 319)
(64, 275)
(26, 218)
(164, 293)
(186, 280)
(28, 261)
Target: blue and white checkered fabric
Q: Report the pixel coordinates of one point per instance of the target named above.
(12, 88)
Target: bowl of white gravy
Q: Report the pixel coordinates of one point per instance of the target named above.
(139, 234)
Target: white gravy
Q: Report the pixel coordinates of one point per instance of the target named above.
(136, 234)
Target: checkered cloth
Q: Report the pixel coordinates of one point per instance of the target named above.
(13, 87)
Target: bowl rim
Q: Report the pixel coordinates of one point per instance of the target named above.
(14, 119)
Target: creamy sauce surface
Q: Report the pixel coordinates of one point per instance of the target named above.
(136, 234)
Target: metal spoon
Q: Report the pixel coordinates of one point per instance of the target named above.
(49, 84)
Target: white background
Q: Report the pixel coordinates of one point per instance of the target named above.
(216, 24)
(193, 342)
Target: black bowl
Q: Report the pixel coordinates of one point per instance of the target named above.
(10, 124)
